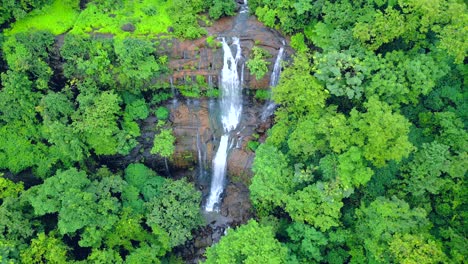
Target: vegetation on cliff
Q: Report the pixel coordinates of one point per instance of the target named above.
(366, 161)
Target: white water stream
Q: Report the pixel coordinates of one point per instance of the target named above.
(270, 106)
(231, 110)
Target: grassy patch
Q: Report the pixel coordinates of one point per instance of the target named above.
(149, 18)
(57, 18)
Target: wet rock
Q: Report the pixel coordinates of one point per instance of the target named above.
(189, 58)
(129, 27)
(236, 204)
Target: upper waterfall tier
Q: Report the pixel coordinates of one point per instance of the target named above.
(231, 90)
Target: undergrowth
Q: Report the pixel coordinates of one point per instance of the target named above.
(57, 18)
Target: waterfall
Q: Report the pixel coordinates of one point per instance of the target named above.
(201, 156)
(270, 106)
(230, 111)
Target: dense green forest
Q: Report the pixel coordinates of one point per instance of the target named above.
(366, 161)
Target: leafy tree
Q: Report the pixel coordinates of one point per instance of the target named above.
(219, 8)
(298, 90)
(163, 143)
(17, 100)
(45, 248)
(272, 181)
(249, 243)
(412, 249)
(342, 73)
(138, 64)
(137, 109)
(378, 223)
(318, 204)
(307, 243)
(91, 59)
(98, 123)
(383, 135)
(175, 210)
(27, 53)
(257, 64)
(80, 204)
(9, 188)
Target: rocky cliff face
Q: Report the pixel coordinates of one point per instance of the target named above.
(197, 128)
(204, 58)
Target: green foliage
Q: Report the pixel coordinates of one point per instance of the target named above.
(306, 243)
(262, 95)
(219, 8)
(185, 16)
(137, 109)
(257, 64)
(298, 90)
(382, 219)
(9, 188)
(384, 134)
(148, 17)
(17, 10)
(318, 205)
(56, 16)
(272, 181)
(45, 248)
(162, 113)
(412, 249)
(175, 210)
(252, 145)
(98, 123)
(250, 243)
(342, 73)
(298, 43)
(163, 143)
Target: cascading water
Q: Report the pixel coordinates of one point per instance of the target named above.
(230, 111)
(269, 108)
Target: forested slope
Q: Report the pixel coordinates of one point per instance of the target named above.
(366, 161)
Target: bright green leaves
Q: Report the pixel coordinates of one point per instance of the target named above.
(184, 18)
(401, 78)
(342, 73)
(9, 188)
(88, 59)
(138, 65)
(383, 135)
(383, 28)
(47, 197)
(27, 53)
(320, 135)
(79, 204)
(251, 243)
(163, 143)
(45, 248)
(99, 123)
(318, 204)
(306, 243)
(382, 219)
(416, 249)
(352, 169)
(453, 35)
(257, 64)
(298, 90)
(272, 181)
(219, 8)
(137, 109)
(175, 210)
(17, 99)
(426, 169)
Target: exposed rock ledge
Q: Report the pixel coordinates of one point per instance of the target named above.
(190, 58)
